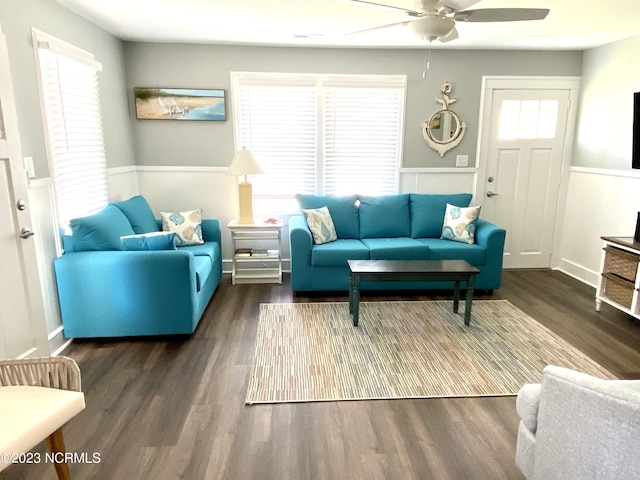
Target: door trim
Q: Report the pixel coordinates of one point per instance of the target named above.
(489, 85)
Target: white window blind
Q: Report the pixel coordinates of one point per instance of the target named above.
(73, 127)
(362, 139)
(326, 134)
(278, 124)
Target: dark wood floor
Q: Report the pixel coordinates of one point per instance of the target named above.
(173, 408)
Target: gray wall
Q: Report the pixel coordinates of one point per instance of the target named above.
(171, 143)
(610, 76)
(17, 17)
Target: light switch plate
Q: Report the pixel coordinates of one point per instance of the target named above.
(462, 160)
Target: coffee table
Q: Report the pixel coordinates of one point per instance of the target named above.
(411, 270)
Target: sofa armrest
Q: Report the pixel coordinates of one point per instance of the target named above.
(487, 233)
(527, 404)
(300, 238)
(212, 230)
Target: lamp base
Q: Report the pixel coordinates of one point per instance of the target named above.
(245, 203)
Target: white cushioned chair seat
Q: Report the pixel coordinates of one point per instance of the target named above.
(30, 414)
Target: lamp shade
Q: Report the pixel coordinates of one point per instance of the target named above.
(244, 163)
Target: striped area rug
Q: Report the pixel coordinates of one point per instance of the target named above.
(311, 352)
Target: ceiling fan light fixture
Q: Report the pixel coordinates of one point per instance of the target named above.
(432, 28)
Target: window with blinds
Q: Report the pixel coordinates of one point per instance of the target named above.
(323, 134)
(73, 127)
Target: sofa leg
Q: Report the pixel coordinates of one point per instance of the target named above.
(55, 441)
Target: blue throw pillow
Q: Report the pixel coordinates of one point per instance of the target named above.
(385, 216)
(139, 213)
(427, 212)
(101, 231)
(343, 211)
(149, 241)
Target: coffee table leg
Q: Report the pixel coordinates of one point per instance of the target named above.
(467, 308)
(350, 293)
(354, 299)
(456, 296)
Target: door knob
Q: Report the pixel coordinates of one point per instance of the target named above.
(491, 194)
(26, 232)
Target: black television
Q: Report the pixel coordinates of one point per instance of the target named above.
(635, 153)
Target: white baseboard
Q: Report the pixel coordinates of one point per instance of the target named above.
(578, 272)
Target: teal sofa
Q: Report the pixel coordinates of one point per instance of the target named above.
(392, 227)
(105, 291)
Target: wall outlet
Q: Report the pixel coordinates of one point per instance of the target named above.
(462, 160)
(28, 166)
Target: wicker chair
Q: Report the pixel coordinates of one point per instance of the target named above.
(37, 397)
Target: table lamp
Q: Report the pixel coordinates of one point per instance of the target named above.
(244, 163)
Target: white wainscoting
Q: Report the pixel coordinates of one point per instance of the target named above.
(439, 180)
(599, 202)
(42, 217)
(122, 183)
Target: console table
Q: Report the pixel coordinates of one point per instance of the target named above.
(411, 270)
(619, 282)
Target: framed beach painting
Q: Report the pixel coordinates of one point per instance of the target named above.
(179, 103)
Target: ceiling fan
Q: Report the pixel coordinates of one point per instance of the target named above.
(436, 19)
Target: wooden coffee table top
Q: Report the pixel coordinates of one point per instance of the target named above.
(408, 267)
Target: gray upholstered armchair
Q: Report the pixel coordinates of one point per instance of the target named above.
(574, 426)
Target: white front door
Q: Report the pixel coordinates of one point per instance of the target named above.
(524, 152)
(22, 325)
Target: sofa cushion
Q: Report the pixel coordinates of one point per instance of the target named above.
(400, 248)
(321, 225)
(447, 250)
(101, 231)
(336, 254)
(187, 226)
(139, 214)
(343, 210)
(149, 241)
(384, 216)
(427, 212)
(203, 267)
(460, 224)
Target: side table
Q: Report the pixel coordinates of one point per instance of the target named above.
(257, 252)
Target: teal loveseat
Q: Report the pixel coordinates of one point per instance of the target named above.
(105, 291)
(392, 227)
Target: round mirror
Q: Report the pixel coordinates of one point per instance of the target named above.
(444, 126)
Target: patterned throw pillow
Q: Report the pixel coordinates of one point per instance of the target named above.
(321, 225)
(460, 223)
(186, 225)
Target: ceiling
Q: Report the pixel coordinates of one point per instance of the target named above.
(571, 25)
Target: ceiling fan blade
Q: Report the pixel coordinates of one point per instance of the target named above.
(455, 5)
(448, 38)
(501, 14)
(381, 27)
(413, 13)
